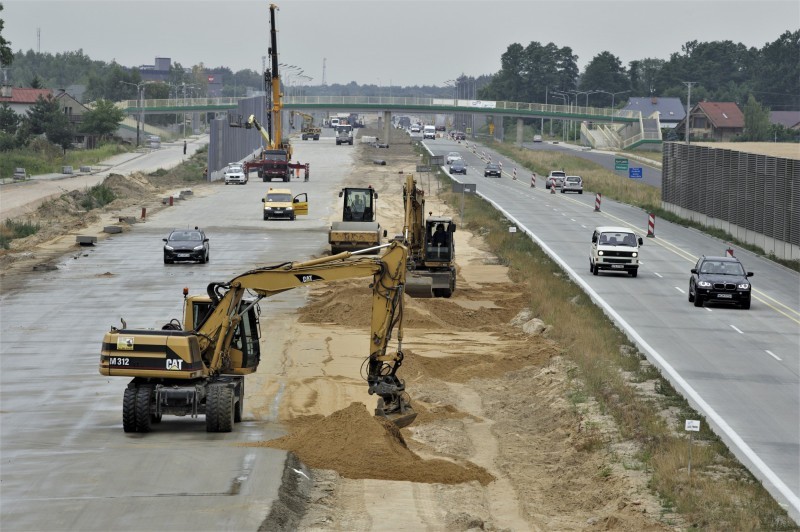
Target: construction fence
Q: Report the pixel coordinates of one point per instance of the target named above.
(227, 144)
(755, 198)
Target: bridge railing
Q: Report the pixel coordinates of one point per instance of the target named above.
(178, 103)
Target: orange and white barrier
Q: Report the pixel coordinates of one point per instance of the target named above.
(533, 180)
(651, 225)
(515, 174)
(597, 199)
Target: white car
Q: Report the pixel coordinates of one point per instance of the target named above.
(572, 183)
(537, 138)
(234, 173)
(452, 156)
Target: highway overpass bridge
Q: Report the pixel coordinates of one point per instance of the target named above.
(620, 129)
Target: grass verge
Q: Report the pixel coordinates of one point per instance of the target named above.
(12, 229)
(46, 158)
(721, 494)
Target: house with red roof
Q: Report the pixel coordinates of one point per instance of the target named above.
(19, 99)
(718, 121)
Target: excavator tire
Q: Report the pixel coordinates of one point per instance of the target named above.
(219, 408)
(144, 397)
(129, 410)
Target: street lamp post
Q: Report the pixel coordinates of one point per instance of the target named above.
(563, 96)
(140, 101)
(613, 94)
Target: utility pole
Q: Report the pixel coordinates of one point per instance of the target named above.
(688, 106)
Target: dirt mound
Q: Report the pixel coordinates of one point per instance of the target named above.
(360, 446)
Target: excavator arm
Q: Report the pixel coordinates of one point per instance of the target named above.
(388, 271)
(253, 122)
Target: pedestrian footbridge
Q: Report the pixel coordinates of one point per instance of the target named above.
(600, 127)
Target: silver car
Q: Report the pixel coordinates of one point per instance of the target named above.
(234, 173)
(572, 183)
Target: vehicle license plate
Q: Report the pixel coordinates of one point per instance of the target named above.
(618, 266)
(183, 255)
(725, 296)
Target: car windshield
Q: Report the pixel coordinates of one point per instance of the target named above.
(234, 169)
(186, 236)
(454, 154)
(283, 198)
(722, 268)
(573, 179)
(618, 239)
(492, 167)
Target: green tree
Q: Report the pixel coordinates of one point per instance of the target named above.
(9, 121)
(777, 72)
(6, 57)
(605, 72)
(756, 121)
(42, 113)
(103, 119)
(60, 132)
(642, 74)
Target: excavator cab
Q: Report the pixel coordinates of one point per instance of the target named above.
(359, 204)
(439, 239)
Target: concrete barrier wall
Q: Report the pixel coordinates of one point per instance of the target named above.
(756, 198)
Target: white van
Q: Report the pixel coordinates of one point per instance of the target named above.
(615, 249)
(429, 132)
(334, 122)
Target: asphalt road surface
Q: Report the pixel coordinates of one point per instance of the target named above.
(741, 368)
(66, 462)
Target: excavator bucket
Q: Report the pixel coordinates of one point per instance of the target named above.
(400, 418)
(419, 286)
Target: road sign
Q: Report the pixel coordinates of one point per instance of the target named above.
(436, 160)
(423, 168)
(692, 425)
(464, 188)
(620, 163)
(635, 173)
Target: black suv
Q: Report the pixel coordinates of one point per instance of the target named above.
(186, 245)
(720, 280)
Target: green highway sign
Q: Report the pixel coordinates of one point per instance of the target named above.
(620, 163)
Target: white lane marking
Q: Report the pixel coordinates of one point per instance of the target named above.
(661, 276)
(708, 309)
(736, 329)
(584, 226)
(773, 355)
(676, 288)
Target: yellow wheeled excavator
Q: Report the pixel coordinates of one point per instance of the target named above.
(308, 130)
(198, 367)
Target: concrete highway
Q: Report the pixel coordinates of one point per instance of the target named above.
(740, 368)
(66, 462)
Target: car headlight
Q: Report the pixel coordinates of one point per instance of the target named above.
(600, 253)
(743, 286)
(289, 208)
(704, 284)
(634, 254)
(169, 248)
(267, 208)
(198, 248)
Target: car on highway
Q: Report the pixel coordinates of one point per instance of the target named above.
(416, 128)
(614, 249)
(234, 174)
(458, 135)
(452, 156)
(572, 183)
(281, 203)
(190, 245)
(492, 170)
(458, 166)
(720, 280)
(556, 178)
(537, 138)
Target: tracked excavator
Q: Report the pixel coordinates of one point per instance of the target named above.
(275, 159)
(308, 130)
(431, 246)
(197, 367)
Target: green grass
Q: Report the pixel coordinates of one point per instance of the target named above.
(722, 494)
(97, 196)
(13, 229)
(41, 157)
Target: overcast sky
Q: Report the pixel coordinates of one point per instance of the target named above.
(405, 42)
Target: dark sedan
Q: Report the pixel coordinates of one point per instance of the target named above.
(186, 245)
(458, 167)
(720, 280)
(492, 170)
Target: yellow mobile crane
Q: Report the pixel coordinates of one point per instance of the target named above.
(198, 366)
(309, 130)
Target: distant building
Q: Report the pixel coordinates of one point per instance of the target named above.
(158, 71)
(74, 111)
(718, 121)
(20, 100)
(670, 110)
(787, 119)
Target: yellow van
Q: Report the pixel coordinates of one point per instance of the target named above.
(279, 203)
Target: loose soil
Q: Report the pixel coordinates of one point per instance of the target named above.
(497, 444)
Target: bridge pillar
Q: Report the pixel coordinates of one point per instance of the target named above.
(519, 132)
(387, 123)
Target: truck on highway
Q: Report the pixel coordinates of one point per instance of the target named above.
(441, 122)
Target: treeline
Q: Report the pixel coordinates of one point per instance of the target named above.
(722, 71)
